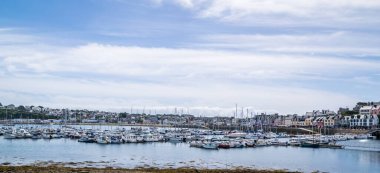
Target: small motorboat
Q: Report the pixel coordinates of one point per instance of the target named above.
(210, 145)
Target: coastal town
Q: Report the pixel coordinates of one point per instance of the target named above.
(365, 115)
(361, 122)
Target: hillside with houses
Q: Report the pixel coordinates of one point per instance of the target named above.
(364, 115)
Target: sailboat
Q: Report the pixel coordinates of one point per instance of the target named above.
(9, 123)
(310, 143)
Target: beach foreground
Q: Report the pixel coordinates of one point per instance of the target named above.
(51, 169)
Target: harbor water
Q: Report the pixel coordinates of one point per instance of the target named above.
(356, 157)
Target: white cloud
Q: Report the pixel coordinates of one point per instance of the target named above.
(340, 42)
(101, 76)
(276, 72)
(294, 12)
(108, 76)
(58, 92)
(172, 64)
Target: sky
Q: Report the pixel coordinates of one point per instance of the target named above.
(199, 56)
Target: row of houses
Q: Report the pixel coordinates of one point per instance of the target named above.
(365, 115)
(368, 116)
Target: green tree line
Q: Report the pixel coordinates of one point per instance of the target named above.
(17, 114)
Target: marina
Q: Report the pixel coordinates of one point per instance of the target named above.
(189, 86)
(199, 138)
(134, 147)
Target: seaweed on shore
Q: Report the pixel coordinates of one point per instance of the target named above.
(53, 169)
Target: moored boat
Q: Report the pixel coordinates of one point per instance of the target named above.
(224, 145)
(103, 140)
(210, 145)
(310, 144)
(10, 136)
(196, 144)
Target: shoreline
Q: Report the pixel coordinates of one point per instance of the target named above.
(50, 169)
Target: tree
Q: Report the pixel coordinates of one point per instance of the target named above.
(123, 115)
(21, 108)
(348, 113)
(41, 108)
(1, 104)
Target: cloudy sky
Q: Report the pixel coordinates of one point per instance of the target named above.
(203, 55)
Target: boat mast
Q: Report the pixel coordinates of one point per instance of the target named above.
(236, 114)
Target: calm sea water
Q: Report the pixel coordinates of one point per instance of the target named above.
(28, 151)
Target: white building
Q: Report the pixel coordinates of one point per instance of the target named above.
(365, 110)
(362, 120)
(288, 121)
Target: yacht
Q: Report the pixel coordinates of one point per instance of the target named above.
(261, 143)
(36, 136)
(295, 142)
(175, 139)
(115, 140)
(150, 138)
(130, 138)
(197, 144)
(10, 136)
(236, 134)
(225, 145)
(210, 145)
(103, 140)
